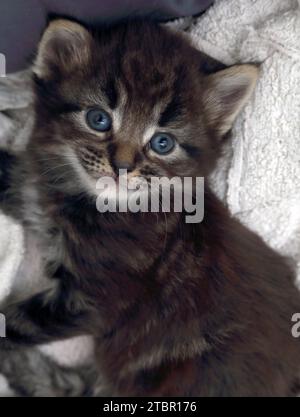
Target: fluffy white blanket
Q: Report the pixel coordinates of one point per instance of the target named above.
(259, 178)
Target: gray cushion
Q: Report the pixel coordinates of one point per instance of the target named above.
(21, 22)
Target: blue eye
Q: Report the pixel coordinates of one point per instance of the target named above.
(162, 143)
(99, 120)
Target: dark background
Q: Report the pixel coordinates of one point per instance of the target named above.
(22, 21)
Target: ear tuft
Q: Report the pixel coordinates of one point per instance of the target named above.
(65, 45)
(226, 93)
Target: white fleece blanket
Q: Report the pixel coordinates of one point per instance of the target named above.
(261, 184)
(259, 177)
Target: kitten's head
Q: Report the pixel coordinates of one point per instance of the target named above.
(136, 96)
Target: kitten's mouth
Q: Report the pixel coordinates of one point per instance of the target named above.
(107, 182)
(120, 187)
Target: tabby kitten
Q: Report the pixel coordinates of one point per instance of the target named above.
(175, 309)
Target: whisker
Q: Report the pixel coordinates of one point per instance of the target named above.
(54, 168)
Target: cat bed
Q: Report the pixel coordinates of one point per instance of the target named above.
(259, 175)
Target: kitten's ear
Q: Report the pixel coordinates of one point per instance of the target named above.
(226, 93)
(64, 46)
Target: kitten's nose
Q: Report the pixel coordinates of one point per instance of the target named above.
(123, 165)
(124, 157)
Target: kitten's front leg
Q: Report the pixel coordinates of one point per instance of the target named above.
(45, 317)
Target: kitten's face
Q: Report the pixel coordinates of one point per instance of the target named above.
(135, 97)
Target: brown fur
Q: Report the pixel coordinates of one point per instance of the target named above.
(175, 308)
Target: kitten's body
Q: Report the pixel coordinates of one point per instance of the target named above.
(175, 308)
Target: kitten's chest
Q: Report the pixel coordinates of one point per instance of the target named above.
(111, 250)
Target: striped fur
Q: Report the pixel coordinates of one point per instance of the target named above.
(175, 308)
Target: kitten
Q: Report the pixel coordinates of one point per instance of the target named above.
(175, 309)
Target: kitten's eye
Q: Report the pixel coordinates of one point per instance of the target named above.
(99, 120)
(162, 143)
